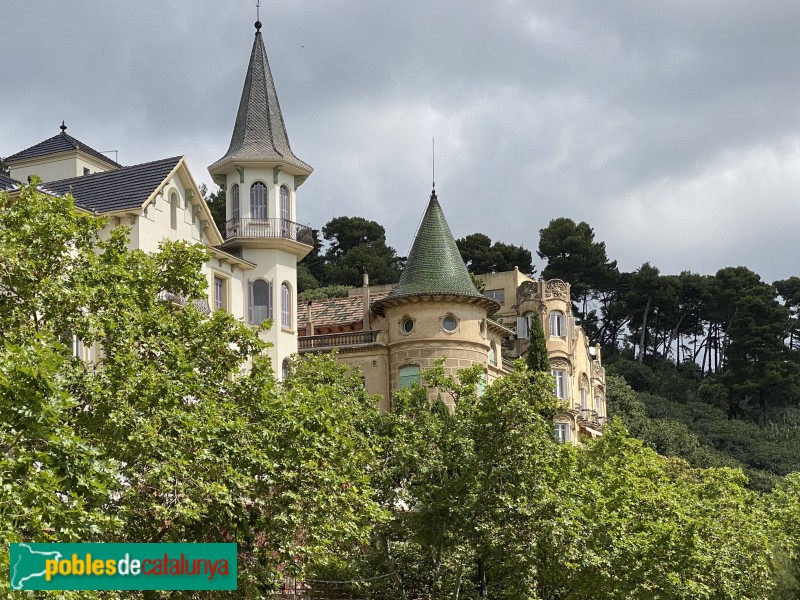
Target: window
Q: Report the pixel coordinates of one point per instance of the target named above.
(260, 301)
(492, 354)
(449, 323)
(285, 368)
(560, 376)
(408, 325)
(562, 432)
(258, 200)
(409, 375)
(235, 201)
(86, 171)
(584, 404)
(220, 293)
(499, 295)
(284, 203)
(524, 324)
(558, 324)
(77, 347)
(173, 210)
(598, 405)
(286, 307)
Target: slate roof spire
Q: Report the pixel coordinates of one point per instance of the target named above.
(434, 266)
(260, 133)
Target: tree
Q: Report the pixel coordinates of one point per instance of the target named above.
(216, 204)
(537, 358)
(164, 438)
(573, 255)
(355, 245)
(481, 256)
(4, 170)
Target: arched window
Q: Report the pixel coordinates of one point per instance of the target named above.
(260, 301)
(492, 354)
(286, 306)
(285, 368)
(284, 203)
(409, 375)
(558, 324)
(584, 403)
(173, 210)
(560, 375)
(235, 201)
(258, 200)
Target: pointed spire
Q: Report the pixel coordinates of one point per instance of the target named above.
(434, 265)
(259, 132)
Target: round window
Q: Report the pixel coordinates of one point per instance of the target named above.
(449, 323)
(408, 325)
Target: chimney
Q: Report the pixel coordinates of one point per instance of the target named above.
(309, 321)
(365, 291)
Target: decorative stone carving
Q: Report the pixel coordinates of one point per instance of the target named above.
(597, 371)
(557, 289)
(527, 291)
(560, 363)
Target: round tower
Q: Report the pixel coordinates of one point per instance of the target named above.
(435, 311)
(260, 175)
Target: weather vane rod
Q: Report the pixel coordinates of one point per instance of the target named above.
(433, 161)
(258, 7)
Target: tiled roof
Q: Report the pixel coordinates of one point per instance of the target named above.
(334, 311)
(62, 142)
(6, 183)
(434, 265)
(259, 133)
(125, 188)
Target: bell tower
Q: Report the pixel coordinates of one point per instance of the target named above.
(260, 175)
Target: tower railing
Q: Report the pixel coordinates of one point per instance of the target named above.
(268, 228)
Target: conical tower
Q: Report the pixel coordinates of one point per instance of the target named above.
(260, 175)
(435, 311)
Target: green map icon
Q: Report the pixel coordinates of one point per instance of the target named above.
(28, 564)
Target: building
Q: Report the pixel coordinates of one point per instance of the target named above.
(252, 272)
(390, 334)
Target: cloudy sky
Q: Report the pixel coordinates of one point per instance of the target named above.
(672, 128)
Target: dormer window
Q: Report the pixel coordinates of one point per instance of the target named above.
(258, 200)
(86, 170)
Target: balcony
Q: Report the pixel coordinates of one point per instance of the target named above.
(331, 341)
(177, 299)
(268, 229)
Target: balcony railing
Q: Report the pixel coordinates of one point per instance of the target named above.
(268, 228)
(199, 304)
(337, 340)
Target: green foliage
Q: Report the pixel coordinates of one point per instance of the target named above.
(537, 357)
(355, 245)
(482, 256)
(216, 204)
(320, 293)
(4, 170)
(168, 437)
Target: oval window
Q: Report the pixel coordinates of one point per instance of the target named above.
(408, 325)
(449, 323)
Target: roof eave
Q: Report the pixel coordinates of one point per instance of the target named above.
(379, 307)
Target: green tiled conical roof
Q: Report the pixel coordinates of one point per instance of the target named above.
(434, 264)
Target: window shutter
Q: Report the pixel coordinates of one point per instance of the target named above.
(270, 301)
(522, 328)
(250, 301)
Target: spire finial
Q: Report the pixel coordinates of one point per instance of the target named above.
(433, 164)
(63, 127)
(258, 16)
